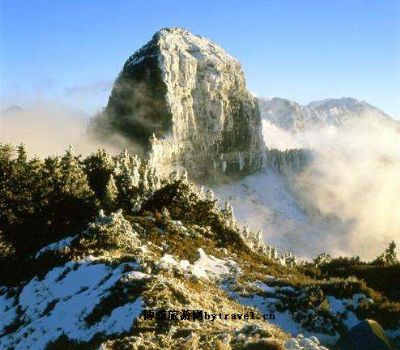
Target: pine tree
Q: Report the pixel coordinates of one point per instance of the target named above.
(174, 176)
(246, 232)
(184, 176)
(74, 178)
(259, 238)
(210, 195)
(388, 257)
(391, 253)
(111, 194)
(165, 217)
(274, 253)
(290, 259)
(201, 192)
(129, 180)
(22, 156)
(98, 168)
(322, 259)
(228, 213)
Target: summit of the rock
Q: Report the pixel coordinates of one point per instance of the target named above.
(184, 99)
(177, 38)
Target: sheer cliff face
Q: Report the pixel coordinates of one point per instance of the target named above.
(192, 96)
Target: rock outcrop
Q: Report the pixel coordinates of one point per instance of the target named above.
(367, 335)
(185, 101)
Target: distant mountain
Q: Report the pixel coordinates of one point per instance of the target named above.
(290, 115)
(12, 109)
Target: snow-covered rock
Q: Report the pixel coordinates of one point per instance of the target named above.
(292, 116)
(301, 343)
(184, 99)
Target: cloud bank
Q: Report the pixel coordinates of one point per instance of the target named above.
(353, 183)
(48, 127)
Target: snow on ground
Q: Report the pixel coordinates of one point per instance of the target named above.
(8, 312)
(264, 202)
(59, 303)
(207, 266)
(339, 307)
(342, 306)
(267, 305)
(285, 320)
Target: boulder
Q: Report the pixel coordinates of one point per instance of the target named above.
(367, 335)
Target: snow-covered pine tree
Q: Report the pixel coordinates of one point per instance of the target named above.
(228, 214)
(274, 253)
(246, 232)
(74, 179)
(210, 195)
(259, 242)
(322, 259)
(174, 176)
(165, 216)
(201, 192)
(184, 175)
(289, 259)
(153, 179)
(98, 167)
(111, 194)
(129, 181)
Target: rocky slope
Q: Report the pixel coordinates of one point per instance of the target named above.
(292, 116)
(174, 249)
(99, 284)
(184, 100)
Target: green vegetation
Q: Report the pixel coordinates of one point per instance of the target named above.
(381, 274)
(43, 201)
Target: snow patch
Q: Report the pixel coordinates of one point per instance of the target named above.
(264, 202)
(207, 266)
(58, 304)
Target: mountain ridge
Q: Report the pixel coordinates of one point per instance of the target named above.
(292, 116)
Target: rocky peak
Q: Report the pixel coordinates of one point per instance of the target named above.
(184, 99)
(290, 115)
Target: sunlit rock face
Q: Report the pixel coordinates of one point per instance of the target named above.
(185, 101)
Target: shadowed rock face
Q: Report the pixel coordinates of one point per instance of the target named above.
(192, 96)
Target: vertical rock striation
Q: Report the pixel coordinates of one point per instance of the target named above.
(185, 101)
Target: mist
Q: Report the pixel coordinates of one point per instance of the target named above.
(350, 192)
(352, 186)
(48, 127)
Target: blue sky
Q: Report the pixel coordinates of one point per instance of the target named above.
(71, 50)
